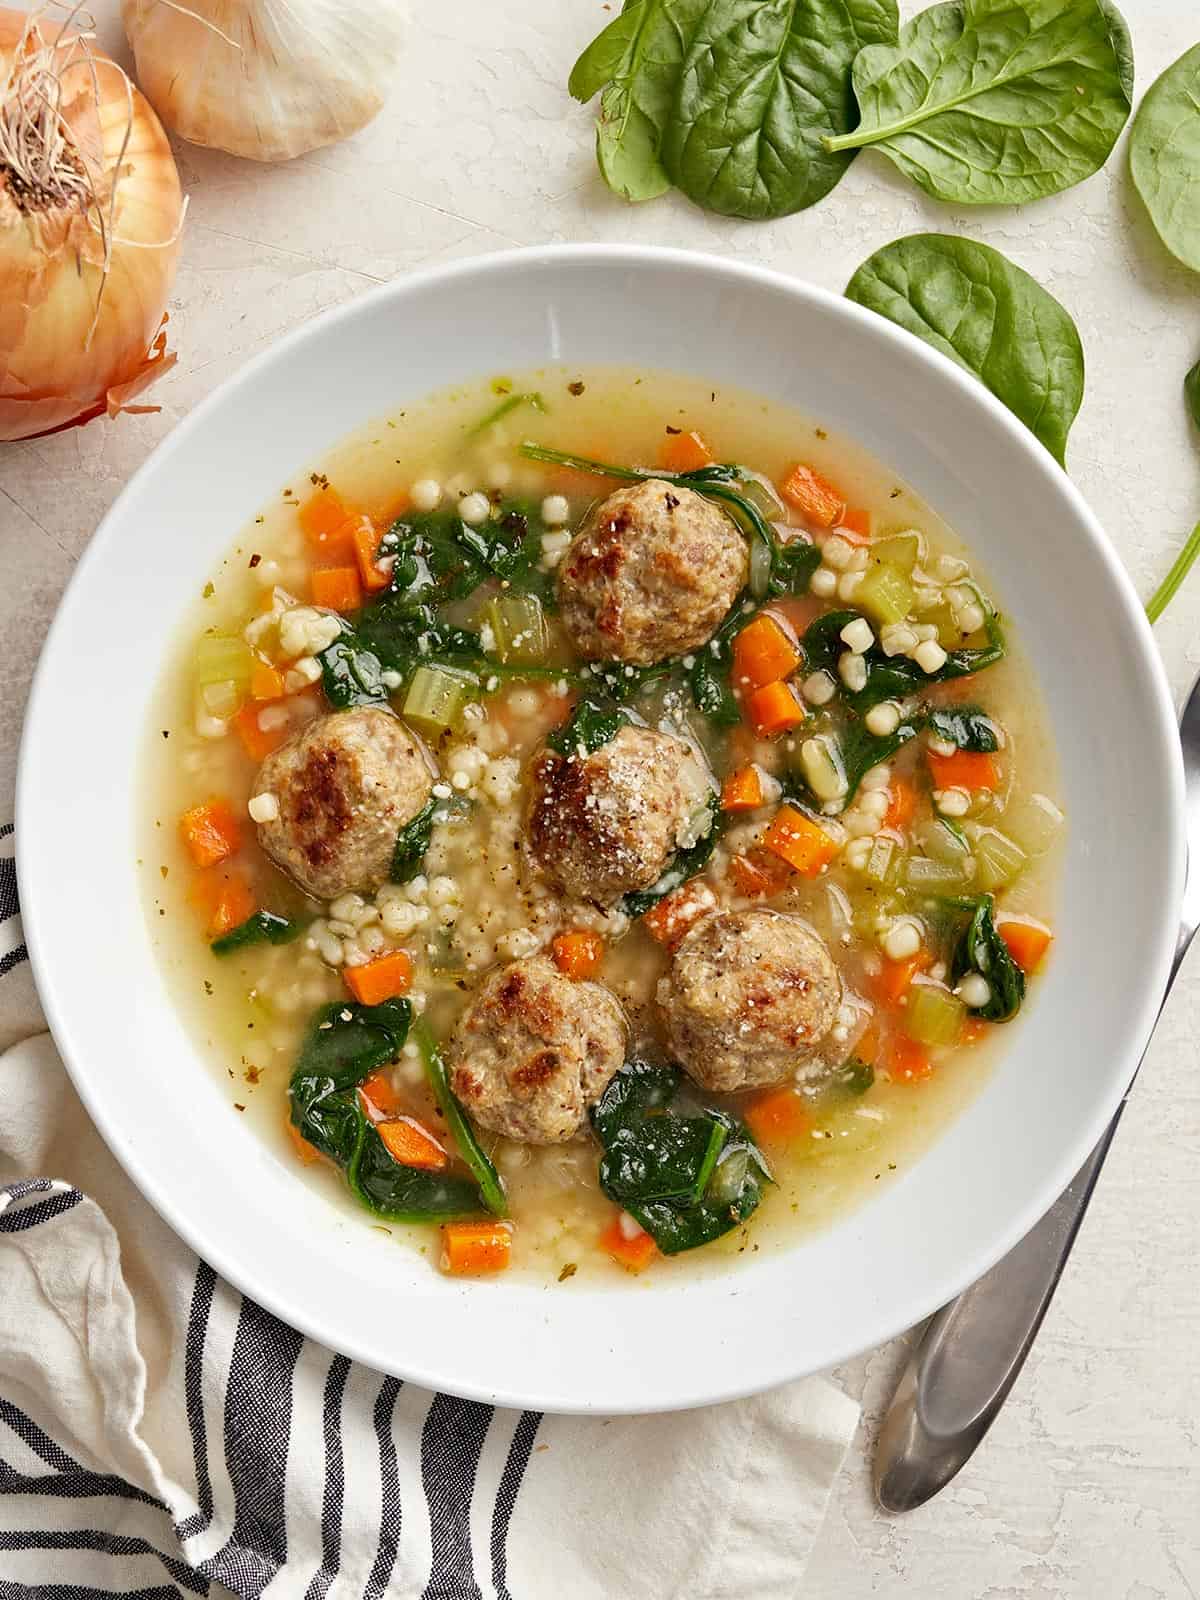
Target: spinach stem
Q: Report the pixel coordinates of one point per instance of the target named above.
(472, 1152)
(1168, 588)
(498, 413)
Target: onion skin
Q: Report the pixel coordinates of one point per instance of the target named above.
(52, 259)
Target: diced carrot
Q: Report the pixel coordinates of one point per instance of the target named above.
(407, 1142)
(632, 1254)
(378, 980)
(469, 1248)
(224, 898)
(867, 1046)
(384, 511)
(380, 1100)
(798, 840)
(965, 769)
(684, 452)
(774, 709)
(326, 521)
(814, 495)
(856, 521)
(902, 804)
(763, 653)
(578, 954)
(777, 1116)
(757, 873)
(211, 832)
(337, 588)
(906, 1061)
(266, 682)
(307, 1152)
(679, 911)
(257, 742)
(366, 549)
(891, 982)
(1027, 940)
(742, 790)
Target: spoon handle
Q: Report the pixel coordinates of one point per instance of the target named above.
(973, 1350)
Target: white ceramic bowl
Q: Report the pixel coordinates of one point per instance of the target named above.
(627, 1347)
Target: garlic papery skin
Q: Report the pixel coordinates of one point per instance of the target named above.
(264, 79)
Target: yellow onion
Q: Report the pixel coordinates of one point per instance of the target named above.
(264, 79)
(90, 216)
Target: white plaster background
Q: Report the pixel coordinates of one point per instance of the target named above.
(1089, 1484)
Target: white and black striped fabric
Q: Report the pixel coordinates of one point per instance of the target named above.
(163, 1436)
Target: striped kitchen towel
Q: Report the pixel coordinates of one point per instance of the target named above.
(163, 1436)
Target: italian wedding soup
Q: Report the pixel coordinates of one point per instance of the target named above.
(602, 825)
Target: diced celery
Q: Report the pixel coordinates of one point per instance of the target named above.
(935, 876)
(221, 658)
(518, 627)
(761, 495)
(760, 569)
(998, 859)
(885, 594)
(219, 699)
(436, 697)
(899, 550)
(944, 841)
(933, 1015)
(880, 863)
(820, 763)
(1033, 822)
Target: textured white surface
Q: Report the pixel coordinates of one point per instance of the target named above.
(1087, 1486)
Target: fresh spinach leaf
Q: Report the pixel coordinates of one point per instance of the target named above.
(727, 99)
(351, 674)
(1122, 43)
(996, 102)
(981, 949)
(412, 841)
(1164, 156)
(589, 726)
(264, 927)
(1180, 568)
(969, 727)
(685, 864)
(634, 66)
(687, 1178)
(763, 85)
(1191, 393)
(975, 306)
(491, 1186)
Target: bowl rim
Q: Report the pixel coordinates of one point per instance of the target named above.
(38, 915)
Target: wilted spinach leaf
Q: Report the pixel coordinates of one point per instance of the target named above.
(687, 1178)
(996, 102)
(684, 864)
(971, 303)
(590, 726)
(264, 927)
(412, 841)
(981, 949)
(351, 675)
(1164, 156)
(344, 1044)
(892, 677)
(969, 727)
(861, 750)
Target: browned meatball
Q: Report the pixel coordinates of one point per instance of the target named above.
(602, 824)
(650, 574)
(345, 786)
(749, 996)
(535, 1050)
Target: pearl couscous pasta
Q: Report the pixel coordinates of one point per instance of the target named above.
(602, 825)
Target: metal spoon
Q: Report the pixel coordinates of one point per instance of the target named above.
(974, 1348)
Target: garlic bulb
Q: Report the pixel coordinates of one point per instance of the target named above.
(266, 79)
